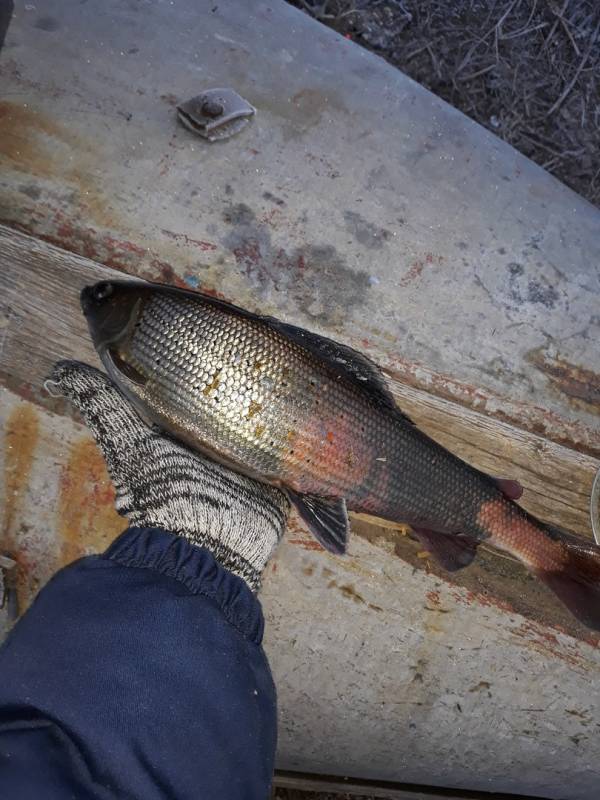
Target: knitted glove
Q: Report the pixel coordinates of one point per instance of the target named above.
(161, 483)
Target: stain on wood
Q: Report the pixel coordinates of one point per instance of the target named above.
(581, 386)
(21, 436)
(86, 518)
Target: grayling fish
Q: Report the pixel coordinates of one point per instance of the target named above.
(315, 418)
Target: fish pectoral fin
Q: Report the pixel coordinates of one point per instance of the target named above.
(327, 518)
(452, 551)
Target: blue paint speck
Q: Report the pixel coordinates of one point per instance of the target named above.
(191, 280)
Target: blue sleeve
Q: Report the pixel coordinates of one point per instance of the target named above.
(138, 674)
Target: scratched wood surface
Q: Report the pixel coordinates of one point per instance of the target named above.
(295, 786)
(41, 322)
(415, 642)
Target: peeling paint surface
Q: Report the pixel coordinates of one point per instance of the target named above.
(424, 658)
(86, 519)
(430, 676)
(581, 386)
(57, 496)
(363, 208)
(418, 233)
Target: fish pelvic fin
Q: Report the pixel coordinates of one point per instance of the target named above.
(326, 517)
(450, 550)
(577, 582)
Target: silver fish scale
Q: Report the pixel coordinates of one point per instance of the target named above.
(234, 386)
(223, 378)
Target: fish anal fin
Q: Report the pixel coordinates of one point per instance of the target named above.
(327, 518)
(451, 551)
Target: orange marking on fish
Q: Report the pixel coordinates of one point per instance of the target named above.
(511, 531)
(213, 385)
(253, 409)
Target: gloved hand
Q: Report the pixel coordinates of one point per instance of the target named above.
(161, 483)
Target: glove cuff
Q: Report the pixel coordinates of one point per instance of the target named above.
(228, 558)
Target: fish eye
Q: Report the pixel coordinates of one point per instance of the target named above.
(102, 290)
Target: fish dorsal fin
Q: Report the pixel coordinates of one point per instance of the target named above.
(346, 361)
(326, 517)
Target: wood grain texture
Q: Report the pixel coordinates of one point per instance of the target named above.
(41, 322)
(328, 786)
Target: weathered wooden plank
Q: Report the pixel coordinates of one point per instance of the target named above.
(349, 787)
(413, 233)
(42, 322)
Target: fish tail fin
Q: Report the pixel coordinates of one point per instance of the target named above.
(576, 580)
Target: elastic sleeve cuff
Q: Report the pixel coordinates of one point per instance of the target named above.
(195, 568)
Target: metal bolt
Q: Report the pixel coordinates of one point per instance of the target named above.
(212, 109)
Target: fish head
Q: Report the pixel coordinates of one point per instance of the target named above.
(113, 310)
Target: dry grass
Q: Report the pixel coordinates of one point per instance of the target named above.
(529, 70)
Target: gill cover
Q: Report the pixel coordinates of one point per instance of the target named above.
(112, 310)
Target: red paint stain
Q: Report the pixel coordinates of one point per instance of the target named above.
(413, 273)
(183, 237)
(163, 272)
(433, 597)
(270, 217)
(307, 544)
(470, 598)
(248, 255)
(415, 270)
(549, 646)
(70, 234)
(124, 246)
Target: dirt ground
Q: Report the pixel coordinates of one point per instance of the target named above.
(528, 70)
